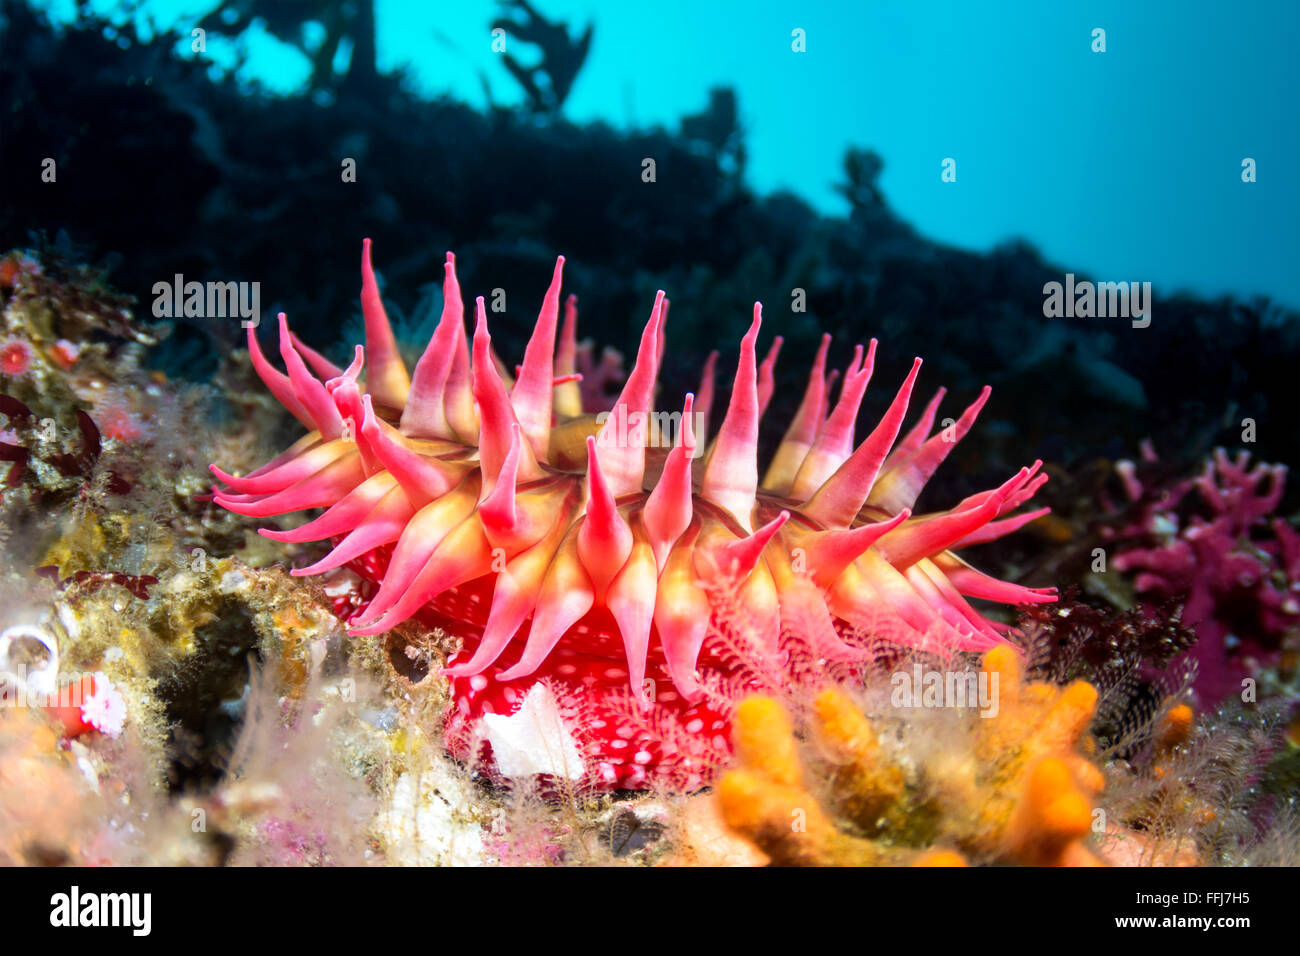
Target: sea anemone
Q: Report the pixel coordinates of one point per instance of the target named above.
(118, 422)
(568, 550)
(94, 703)
(15, 357)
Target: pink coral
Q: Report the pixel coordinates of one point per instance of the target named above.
(570, 550)
(1242, 584)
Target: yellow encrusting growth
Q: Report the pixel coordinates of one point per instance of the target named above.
(764, 740)
(1015, 786)
(871, 786)
(767, 801)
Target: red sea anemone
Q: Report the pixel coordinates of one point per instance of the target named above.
(119, 423)
(15, 357)
(583, 566)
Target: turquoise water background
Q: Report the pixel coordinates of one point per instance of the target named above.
(1125, 165)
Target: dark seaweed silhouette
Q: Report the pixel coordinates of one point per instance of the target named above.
(717, 130)
(547, 84)
(343, 21)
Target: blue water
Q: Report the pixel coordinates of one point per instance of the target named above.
(1124, 164)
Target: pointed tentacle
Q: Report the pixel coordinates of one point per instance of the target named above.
(623, 435)
(835, 440)
(514, 599)
(421, 537)
(604, 538)
(838, 501)
(919, 432)
(383, 525)
(872, 591)
(929, 592)
(277, 382)
(300, 447)
(514, 520)
(937, 533)
(496, 416)
(463, 555)
(458, 401)
(387, 380)
(425, 414)
(767, 375)
(566, 596)
(829, 552)
(341, 517)
(900, 484)
(352, 410)
(631, 600)
(731, 474)
(955, 599)
(682, 615)
(316, 491)
(568, 396)
(319, 363)
(999, 529)
(288, 474)
(977, 584)
(736, 558)
(668, 509)
(533, 392)
(307, 388)
(803, 429)
(424, 479)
